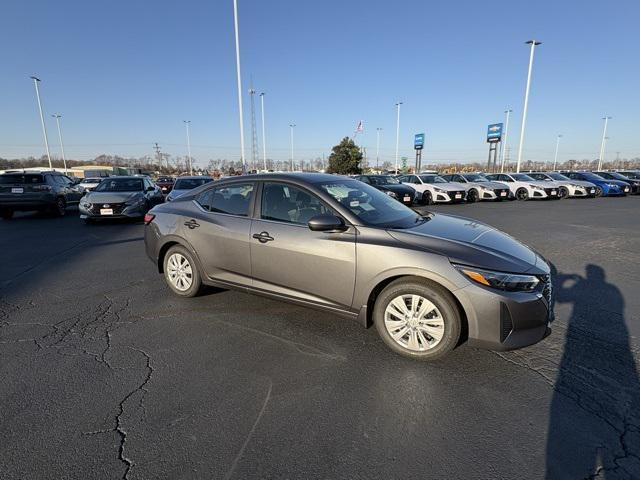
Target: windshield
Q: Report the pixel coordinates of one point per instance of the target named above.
(540, 176)
(120, 185)
(371, 205)
(613, 175)
(591, 176)
(190, 183)
(522, 177)
(558, 176)
(92, 180)
(475, 177)
(383, 180)
(633, 175)
(432, 179)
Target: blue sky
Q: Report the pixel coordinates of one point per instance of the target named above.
(124, 74)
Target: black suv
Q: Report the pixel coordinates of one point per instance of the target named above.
(40, 191)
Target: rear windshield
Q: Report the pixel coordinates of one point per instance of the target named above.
(20, 178)
(190, 183)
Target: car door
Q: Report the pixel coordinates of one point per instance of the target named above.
(74, 192)
(289, 259)
(217, 224)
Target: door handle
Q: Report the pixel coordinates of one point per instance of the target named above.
(263, 237)
(191, 224)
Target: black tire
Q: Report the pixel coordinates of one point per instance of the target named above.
(426, 198)
(6, 214)
(59, 209)
(599, 191)
(441, 299)
(196, 279)
(563, 192)
(472, 196)
(522, 194)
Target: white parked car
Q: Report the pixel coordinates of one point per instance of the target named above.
(480, 187)
(568, 187)
(90, 183)
(433, 188)
(524, 187)
(184, 184)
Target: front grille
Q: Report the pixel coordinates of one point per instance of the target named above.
(453, 197)
(498, 192)
(547, 293)
(549, 190)
(117, 208)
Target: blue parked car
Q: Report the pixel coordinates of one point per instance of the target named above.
(604, 186)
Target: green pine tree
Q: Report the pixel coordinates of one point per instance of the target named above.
(345, 158)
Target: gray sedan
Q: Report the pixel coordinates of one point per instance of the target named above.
(427, 282)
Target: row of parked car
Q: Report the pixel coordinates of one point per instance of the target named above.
(96, 198)
(429, 188)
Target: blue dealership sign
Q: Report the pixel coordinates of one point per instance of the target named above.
(418, 141)
(494, 132)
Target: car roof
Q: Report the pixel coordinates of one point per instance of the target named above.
(127, 177)
(192, 177)
(298, 176)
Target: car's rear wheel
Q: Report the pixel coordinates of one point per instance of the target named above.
(599, 191)
(522, 194)
(472, 196)
(6, 214)
(181, 272)
(417, 319)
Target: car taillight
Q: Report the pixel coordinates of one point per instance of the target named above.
(148, 218)
(42, 188)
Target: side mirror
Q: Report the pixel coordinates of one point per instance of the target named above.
(150, 189)
(326, 223)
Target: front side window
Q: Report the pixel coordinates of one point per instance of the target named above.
(371, 206)
(282, 202)
(432, 179)
(231, 199)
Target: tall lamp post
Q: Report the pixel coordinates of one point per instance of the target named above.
(397, 132)
(555, 157)
(235, 24)
(36, 80)
(378, 130)
(533, 44)
(604, 138)
(503, 152)
(187, 123)
(292, 126)
(64, 158)
(264, 137)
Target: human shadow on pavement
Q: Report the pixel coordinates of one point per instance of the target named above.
(600, 436)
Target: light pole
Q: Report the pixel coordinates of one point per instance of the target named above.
(264, 137)
(506, 136)
(187, 123)
(291, 126)
(397, 132)
(235, 23)
(555, 157)
(533, 44)
(36, 80)
(604, 135)
(378, 130)
(64, 158)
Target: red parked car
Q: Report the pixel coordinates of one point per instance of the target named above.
(165, 184)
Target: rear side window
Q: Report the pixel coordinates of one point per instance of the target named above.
(230, 199)
(21, 178)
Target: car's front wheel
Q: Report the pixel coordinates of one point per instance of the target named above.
(59, 209)
(417, 319)
(181, 272)
(599, 191)
(472, 196)
(522, 194)
(564, 192)
(426, 198)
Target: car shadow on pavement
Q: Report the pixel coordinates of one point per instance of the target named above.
(601, 438)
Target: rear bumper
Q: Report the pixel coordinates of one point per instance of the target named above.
(26, 202)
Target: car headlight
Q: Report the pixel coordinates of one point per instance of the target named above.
(134, 202)
(536, 187)
(510, 282)
(439, 190)
(86, 204)
(577, 186)
(391, 194)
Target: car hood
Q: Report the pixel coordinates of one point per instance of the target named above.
(490, 185)
(397, 188)
(110, 197)
(582, 183)
(449, 186)
(472, 243)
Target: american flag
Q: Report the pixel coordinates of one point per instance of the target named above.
(360, 127)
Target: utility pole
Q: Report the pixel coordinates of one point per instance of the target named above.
(36, 80)
(187, 123)
(555, 157)
(64, 158)
(533, 44)
(397, 133)
(604, 135)
(158, 154)
(239, 77)
(378, 130)
(254, 134)
(264, 137)
(291, 126)
(503, 148)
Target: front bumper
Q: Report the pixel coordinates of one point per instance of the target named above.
(500, 320)
(495, 194)
(457, 196)
(117, 211)
(582, 192)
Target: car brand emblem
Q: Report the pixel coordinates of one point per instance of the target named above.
(106, 205)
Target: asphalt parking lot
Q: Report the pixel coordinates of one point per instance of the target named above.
(105, 374)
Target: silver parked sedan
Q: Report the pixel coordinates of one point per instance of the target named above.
(330, 242)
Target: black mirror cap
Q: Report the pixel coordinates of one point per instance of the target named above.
(326, 223)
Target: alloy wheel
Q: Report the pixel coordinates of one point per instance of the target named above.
(179, 272)
(522, 194)
(598, 191)
(414, 322)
